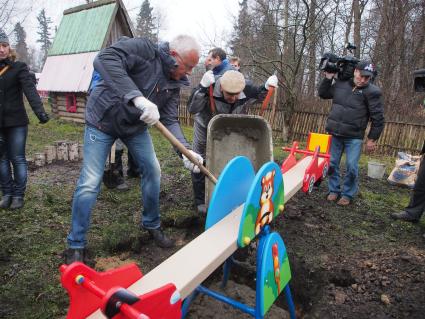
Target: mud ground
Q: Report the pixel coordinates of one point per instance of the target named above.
(351, 262)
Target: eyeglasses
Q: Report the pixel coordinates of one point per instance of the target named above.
(187, 67)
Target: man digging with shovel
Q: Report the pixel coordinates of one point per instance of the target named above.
(140, 84)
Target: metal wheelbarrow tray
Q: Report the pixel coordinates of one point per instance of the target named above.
(231, 135)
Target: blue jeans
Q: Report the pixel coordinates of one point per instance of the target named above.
(12, 145)
(97, 146)
(353, 149)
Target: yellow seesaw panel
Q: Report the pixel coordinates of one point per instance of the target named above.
(194, 262)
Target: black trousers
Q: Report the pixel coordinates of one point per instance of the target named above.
(132, 166)
(198, 184)
(416, 205)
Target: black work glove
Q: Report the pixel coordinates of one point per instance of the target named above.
(43, 117)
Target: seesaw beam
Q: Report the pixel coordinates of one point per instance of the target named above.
(193, 263)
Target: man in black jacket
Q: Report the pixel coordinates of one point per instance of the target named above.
(140, 84)
(355, 102)
(415, 209)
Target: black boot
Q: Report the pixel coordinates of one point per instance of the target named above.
(405, 216)
(5, 201)
(71, 255)
(132, 171)
(160, 238)
(121, 183)
(17, 202)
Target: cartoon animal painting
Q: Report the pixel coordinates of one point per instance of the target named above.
(265, 214)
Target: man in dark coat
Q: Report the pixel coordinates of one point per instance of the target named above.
(414, 211)
(355, 102)
(140, 85)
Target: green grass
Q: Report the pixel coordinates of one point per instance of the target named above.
(33, 238)
(41, 135)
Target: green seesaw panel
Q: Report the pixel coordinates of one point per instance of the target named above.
(275, 272)
(264, 202)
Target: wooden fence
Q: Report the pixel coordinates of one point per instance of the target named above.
(397, 136)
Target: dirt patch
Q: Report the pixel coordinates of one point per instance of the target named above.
(351, 262)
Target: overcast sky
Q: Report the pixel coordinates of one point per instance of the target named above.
(209, 21)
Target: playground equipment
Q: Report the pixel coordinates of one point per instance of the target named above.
(241, 208)
(317, 167)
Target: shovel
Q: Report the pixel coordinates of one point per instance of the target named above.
(175, 142)
(111, 176)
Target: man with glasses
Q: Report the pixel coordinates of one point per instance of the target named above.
(355, 102)
(140, 84)
(231, 95)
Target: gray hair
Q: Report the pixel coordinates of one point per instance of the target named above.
(183, 44)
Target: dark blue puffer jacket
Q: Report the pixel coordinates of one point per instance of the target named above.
(352, 108)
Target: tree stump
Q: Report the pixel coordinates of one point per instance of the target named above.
(73, 151)
(50, 151)
(39, 159)
(80, 150)
(62, 150)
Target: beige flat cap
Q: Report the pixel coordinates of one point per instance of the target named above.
(232, 82)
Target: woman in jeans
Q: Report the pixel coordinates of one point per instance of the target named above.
(15, 80)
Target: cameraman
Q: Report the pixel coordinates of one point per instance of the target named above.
(356, 101)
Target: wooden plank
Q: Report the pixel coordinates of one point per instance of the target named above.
(62, 108)
(71, 115)
(72, 119)
(193, 263)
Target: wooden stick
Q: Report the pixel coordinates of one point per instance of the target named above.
(175, 142)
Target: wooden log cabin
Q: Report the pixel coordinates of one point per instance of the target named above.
(68, 70)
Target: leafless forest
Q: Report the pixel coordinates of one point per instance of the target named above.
(290, 37)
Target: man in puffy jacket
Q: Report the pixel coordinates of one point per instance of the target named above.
(231, 95)
(140, 84)
(355, 102)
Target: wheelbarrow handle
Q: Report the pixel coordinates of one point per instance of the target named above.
(175, 142)
(267, 99)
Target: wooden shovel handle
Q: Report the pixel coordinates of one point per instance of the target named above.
(175, 142)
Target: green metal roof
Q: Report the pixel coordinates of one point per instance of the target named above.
(82, 31)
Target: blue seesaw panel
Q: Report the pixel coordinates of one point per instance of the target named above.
(263, 204)
(231, 189)
(274, 272)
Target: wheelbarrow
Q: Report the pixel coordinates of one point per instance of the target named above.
(230, 135)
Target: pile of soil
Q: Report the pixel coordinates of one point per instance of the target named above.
(347, 262)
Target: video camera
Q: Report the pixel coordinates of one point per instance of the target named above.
(344, 66)
(419, 80)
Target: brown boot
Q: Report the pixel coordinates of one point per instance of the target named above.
(332, 197)
(343, 201)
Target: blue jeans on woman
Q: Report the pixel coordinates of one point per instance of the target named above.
(13, 164)
(97, 146)
(353, 150)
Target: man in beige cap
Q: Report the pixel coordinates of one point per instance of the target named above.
(231, 95)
